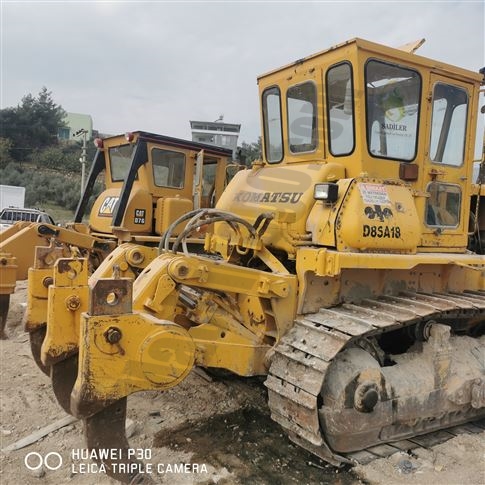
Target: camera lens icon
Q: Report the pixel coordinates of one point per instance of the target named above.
(34, 460)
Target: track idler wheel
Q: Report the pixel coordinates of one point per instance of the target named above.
(106, 430)
(4, 305)
(36, 339)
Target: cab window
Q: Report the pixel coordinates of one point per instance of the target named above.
(120, 161)
(168, 168)
(443, 204)
(209, 172)
(448, 124)
(301, 102)
(392, 103)
(273, 137)
(340, 109)
(209, 177)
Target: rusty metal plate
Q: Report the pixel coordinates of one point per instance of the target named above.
(110, 296)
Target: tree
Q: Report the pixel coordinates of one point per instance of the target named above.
(5, 148)
(248, 152)
(58, 158)
(33, 124)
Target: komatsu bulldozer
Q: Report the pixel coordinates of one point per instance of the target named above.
(347, 266)
(150, 180)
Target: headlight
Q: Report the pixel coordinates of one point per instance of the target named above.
(327, 192)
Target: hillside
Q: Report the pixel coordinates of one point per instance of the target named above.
(55, 191)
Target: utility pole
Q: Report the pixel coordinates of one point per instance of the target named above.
(82, 132)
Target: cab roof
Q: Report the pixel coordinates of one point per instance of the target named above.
(380, 49)
(179, 143)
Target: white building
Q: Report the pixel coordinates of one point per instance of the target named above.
(74, 123)
(216, 133)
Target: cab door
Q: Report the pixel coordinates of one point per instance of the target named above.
(446, 166)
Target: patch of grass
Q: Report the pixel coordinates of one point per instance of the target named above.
(60, 214)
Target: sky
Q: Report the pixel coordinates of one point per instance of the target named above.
(155, 65)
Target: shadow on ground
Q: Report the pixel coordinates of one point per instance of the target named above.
(254, 449)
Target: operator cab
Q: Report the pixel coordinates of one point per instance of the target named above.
(151, 180)
(378, 129)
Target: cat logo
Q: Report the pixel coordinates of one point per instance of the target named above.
(108, 206)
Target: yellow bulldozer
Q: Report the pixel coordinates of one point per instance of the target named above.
(149, 180)
(347, 266)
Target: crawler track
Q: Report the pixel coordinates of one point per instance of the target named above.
(303, 356)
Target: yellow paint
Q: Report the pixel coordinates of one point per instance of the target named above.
(229, 312)
(151, 354)
(67, 299)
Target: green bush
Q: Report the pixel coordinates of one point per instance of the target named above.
(43, 187)
(5, 149)
(57, 158)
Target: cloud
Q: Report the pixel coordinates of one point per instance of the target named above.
(155, 66)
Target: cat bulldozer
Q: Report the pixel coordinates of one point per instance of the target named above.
(150, 180)
(346, 268)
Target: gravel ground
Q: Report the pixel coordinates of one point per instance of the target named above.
(217, 430)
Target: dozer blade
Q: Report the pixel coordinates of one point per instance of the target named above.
(36, 338)
(4, 305)
(106, 430)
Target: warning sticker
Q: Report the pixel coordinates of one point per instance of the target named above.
(374, 194)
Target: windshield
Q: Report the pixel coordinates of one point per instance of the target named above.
(120, 160)
(392, 101)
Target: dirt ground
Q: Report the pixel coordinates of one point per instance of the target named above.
(206, 430)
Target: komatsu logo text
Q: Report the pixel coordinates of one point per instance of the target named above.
(271, 197)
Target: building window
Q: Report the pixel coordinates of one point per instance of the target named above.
(226, 140)
(64, 133)
(205, 139)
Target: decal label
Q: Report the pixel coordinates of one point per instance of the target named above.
(108, 206)
(377, 212)
(374, 194)
(139, 216)
(391, 232)
(270, 197)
